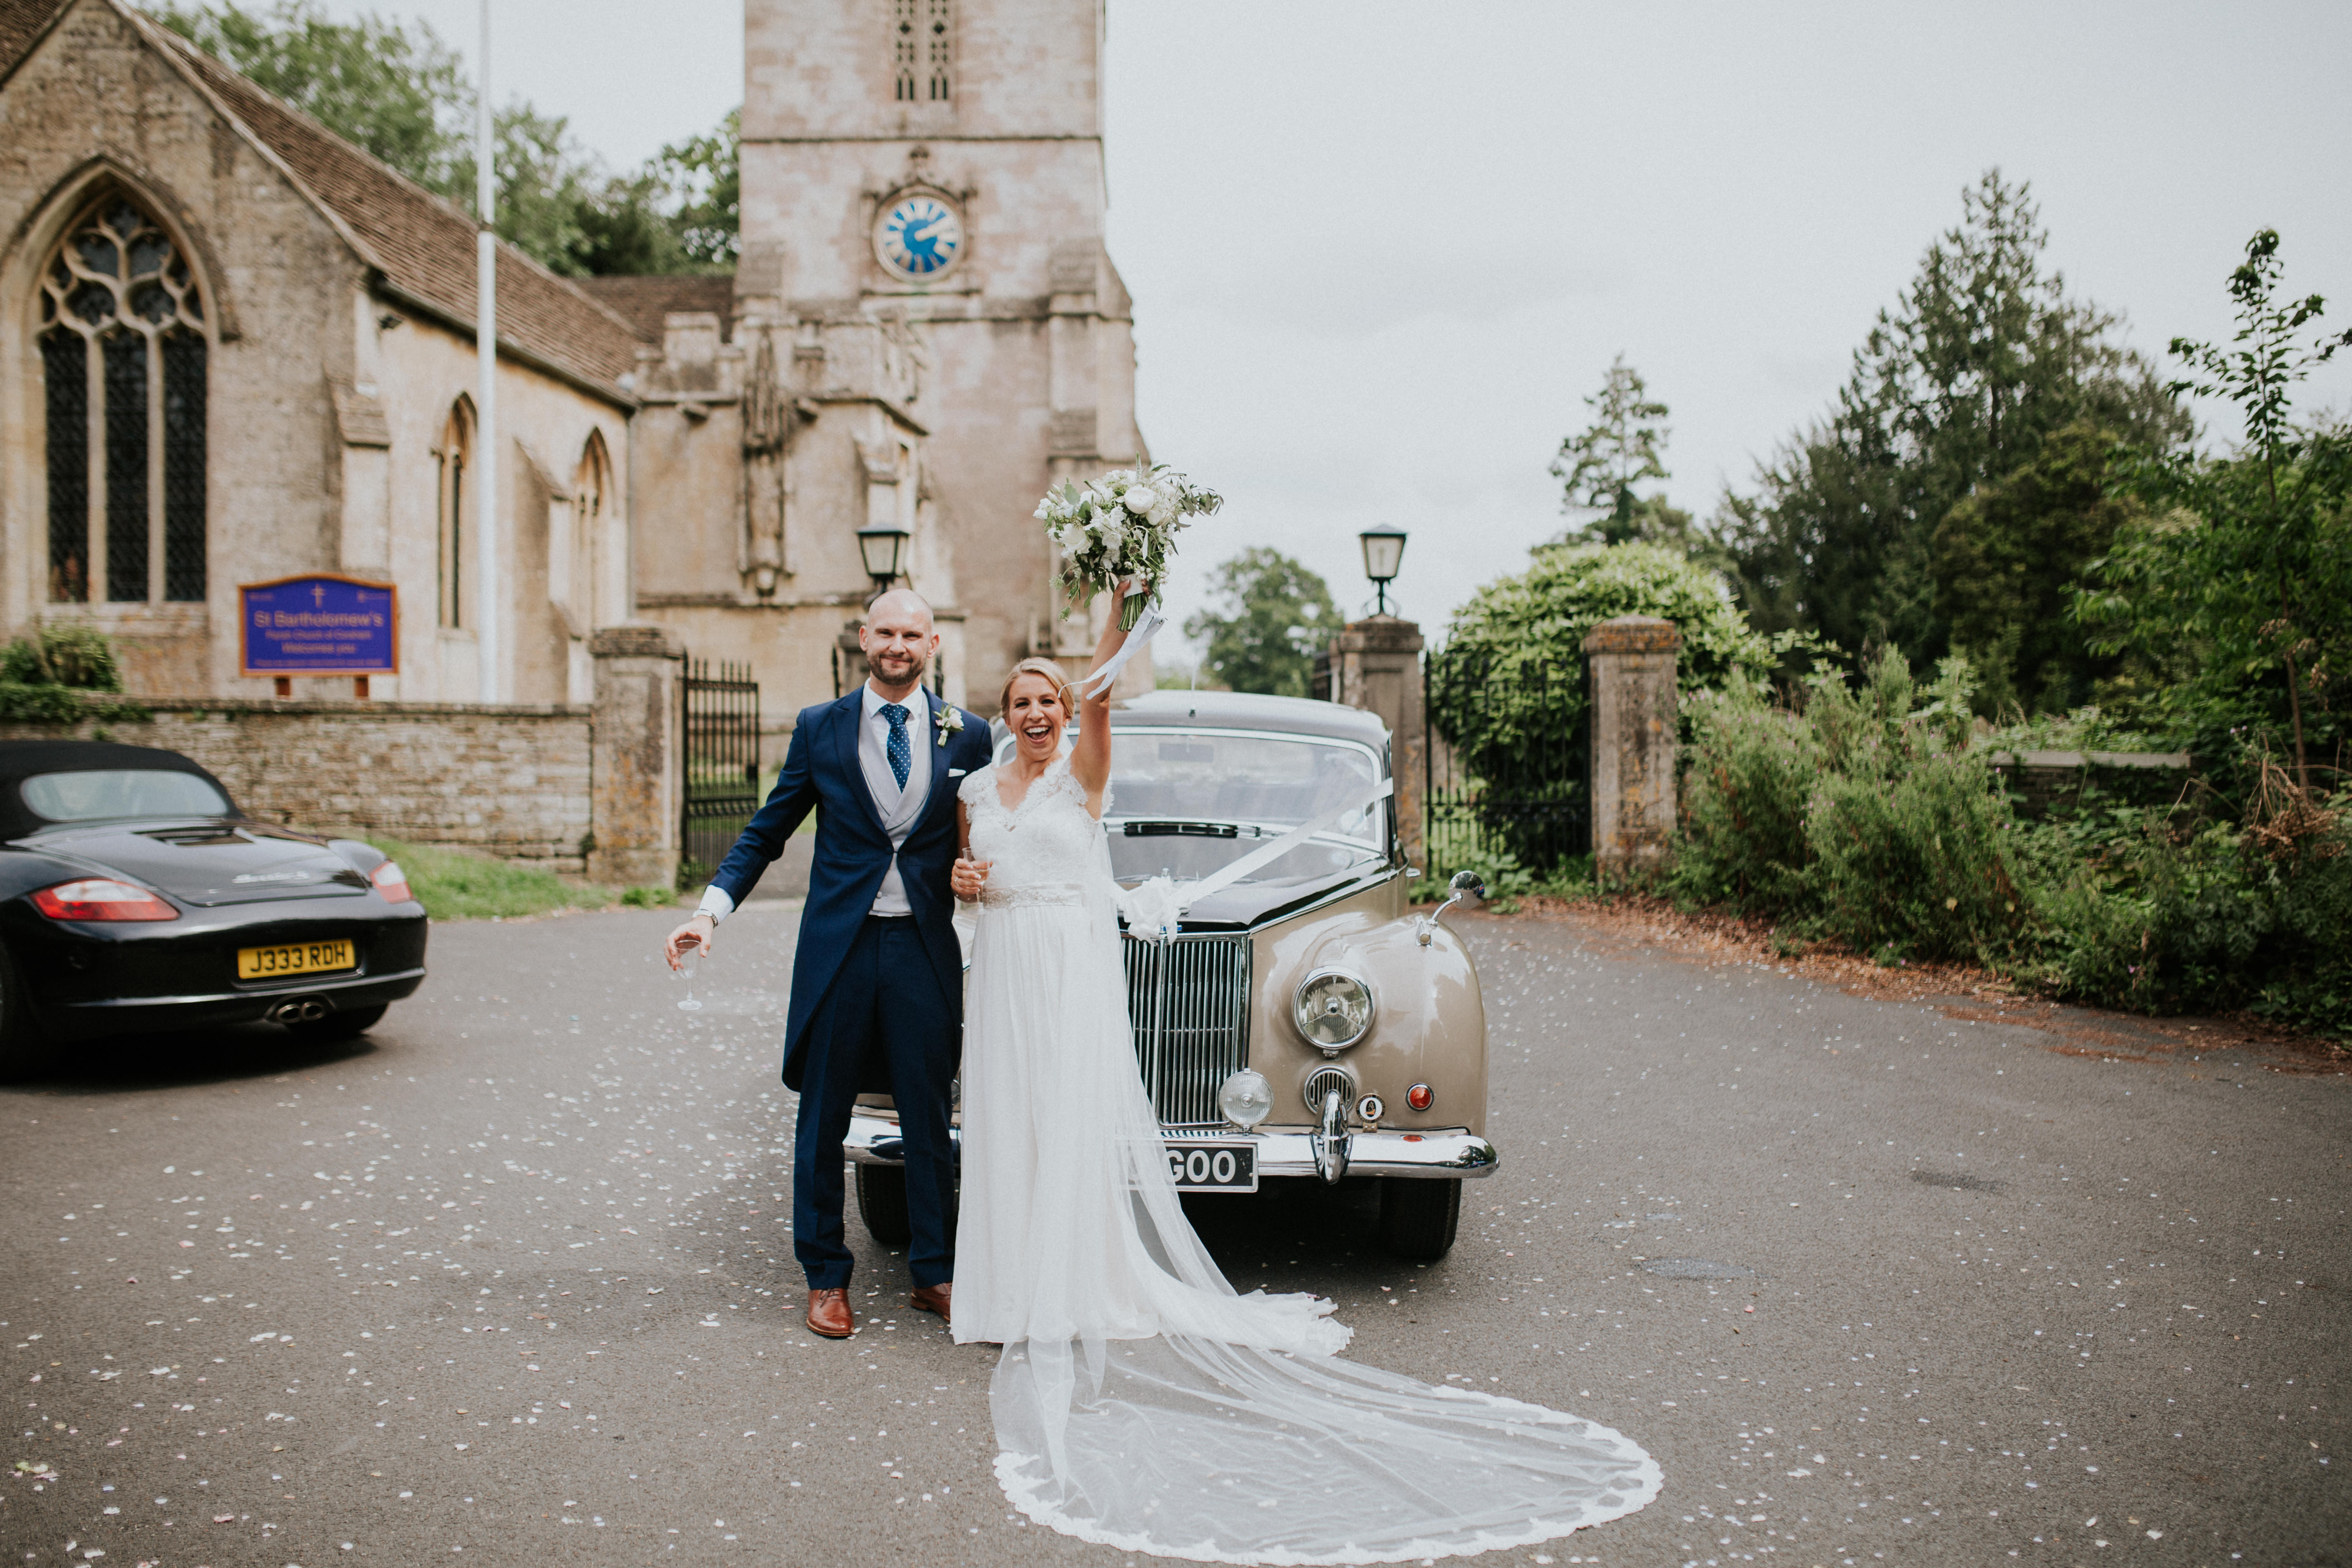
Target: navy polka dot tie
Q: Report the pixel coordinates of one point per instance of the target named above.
(899, 750)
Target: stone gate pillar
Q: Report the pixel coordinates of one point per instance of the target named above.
(1633, 719)
(637, 756)
(1377, 667)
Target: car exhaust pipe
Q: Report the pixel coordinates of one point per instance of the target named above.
(301, 1010)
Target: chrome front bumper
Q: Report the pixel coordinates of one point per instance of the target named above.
(874, 1140)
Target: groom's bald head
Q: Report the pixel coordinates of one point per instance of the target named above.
(899, 607)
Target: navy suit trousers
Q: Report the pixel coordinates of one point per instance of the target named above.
(866, 1019)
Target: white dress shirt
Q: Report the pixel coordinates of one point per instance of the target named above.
(899, 809)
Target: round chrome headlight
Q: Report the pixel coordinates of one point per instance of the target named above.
(1246, 1098)
(1333, 1009)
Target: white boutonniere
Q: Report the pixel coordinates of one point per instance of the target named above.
(948, 721)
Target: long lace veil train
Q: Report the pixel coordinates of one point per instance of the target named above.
(1235, 1434)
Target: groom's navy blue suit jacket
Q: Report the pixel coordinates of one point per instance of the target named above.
(822, 773)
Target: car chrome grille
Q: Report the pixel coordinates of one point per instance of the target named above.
(1189, 1003)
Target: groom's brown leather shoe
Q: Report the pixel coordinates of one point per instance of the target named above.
(934, 1298)
(828, 1314)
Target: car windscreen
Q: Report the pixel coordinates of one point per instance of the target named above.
(1221, 775)
(97, 793)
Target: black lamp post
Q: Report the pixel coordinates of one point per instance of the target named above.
(884, 550)
(1384, 548)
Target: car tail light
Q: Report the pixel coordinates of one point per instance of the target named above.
(392, 882)
(1421, 1096)
(102, 898)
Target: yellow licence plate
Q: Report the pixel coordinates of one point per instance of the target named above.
(301, 958)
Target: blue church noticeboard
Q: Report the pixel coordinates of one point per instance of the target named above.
(321, 624)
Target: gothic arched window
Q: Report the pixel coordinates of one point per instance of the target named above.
(922, 39)
(454, 451)
(591, 483)
(939, 34)
(905, 48)
(122, 356)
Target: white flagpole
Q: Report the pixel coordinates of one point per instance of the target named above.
(486, 405)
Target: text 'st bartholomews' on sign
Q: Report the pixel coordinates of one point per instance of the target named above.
(318, 625)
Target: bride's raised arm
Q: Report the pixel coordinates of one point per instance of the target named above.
(1090, 758)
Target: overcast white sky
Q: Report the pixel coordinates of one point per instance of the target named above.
(1380, 250)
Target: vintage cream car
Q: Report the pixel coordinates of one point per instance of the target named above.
(1303, 1022)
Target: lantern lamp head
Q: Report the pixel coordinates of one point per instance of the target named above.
(884, 550)
(1383, 551)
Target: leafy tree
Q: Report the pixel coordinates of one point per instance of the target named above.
(2247, 563)
(1273, 613)
(2006, 559)
(1977, 364)
(404, 96)
(1599, 468)
(700, 187)
(401, 94)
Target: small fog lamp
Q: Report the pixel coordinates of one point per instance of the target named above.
(1246, 1098)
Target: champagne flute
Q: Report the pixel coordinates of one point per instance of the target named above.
(690, 954)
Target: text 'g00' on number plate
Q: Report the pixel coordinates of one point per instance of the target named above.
(297, 958)
(1214, 1167)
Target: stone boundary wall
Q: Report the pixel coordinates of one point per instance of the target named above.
(2040, 781)
(513, 782)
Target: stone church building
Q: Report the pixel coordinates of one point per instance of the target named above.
(234, 348)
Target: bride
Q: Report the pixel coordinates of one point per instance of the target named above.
(1140, 1402)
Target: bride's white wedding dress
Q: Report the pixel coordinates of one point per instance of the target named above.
(1140, 1403)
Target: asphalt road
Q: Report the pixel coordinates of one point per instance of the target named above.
(510, 1281)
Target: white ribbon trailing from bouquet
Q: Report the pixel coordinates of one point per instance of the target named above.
(1143, 632)
(1157, 905)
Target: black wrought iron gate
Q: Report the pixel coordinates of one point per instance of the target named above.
(722, 760)
(1509, 762)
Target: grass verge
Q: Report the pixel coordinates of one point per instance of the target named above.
(460, 885)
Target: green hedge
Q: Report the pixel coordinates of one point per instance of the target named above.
(1865, 815)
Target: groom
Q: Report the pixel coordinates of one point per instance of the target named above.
(878, 994)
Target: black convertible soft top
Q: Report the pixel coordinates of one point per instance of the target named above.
(21, 760)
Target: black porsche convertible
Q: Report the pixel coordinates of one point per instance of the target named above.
(135, 897)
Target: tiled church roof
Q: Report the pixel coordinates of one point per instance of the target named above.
(644, 302)
(21, 22)
(422, 245)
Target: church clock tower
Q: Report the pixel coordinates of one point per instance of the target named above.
(922, 222)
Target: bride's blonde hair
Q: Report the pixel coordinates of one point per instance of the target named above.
(1045, 667)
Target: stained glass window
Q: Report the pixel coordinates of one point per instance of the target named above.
(123, 357)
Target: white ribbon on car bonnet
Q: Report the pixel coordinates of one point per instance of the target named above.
(1159, 903)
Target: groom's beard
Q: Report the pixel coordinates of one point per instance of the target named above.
(903, 669)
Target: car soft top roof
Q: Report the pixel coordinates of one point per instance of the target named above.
(21, 760)
(1250, 710)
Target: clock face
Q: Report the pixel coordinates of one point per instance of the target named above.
(919, 236)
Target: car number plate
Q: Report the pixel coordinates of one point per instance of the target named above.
(297, 958)
(1214, 1167)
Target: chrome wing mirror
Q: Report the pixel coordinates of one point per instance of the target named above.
(1465, 887)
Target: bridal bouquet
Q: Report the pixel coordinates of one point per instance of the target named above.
(1122, 525)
